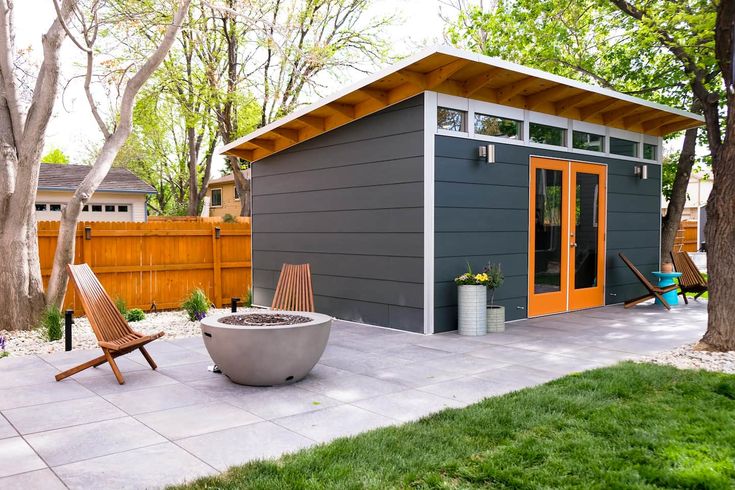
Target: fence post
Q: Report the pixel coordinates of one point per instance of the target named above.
(217, 264)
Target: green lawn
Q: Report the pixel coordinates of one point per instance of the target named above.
(628, 426)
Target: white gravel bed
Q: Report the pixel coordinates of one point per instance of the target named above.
(175, 324)
(685, 357)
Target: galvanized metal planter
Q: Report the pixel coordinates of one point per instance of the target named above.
(495, 318)
(472, 310)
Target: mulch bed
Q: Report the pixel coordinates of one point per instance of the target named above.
(260, 320)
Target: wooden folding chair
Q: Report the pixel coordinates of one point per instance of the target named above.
(114, 335)
(294, 291)
(691, 280)
(653, 291)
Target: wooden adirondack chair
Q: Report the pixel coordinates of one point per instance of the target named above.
(691, 280)
(114, 335)
(294, 291)
(653, 291)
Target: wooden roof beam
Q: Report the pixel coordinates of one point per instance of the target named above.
(314, 121)
(346, 110)
(241, 153)
(269, 145)
(587, 111)
(472, 85)
(571, 101)
(437, 76)
(656, 123)
(290, 134)
(615, 114)
(641, 117)
(675, 126)
(507, 92)
(535, 100)
(375, 94)
(414, 78)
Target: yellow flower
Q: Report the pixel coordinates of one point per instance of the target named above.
(481, 277)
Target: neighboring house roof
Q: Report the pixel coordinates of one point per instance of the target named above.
(452, 71)
(229, 178)
(62, 177)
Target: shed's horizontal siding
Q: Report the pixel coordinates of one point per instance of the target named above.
(350, 203)
(482, 215)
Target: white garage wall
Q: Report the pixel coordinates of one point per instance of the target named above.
(135, 203)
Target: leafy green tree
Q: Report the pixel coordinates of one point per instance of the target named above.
(55, 156)
(589, 40)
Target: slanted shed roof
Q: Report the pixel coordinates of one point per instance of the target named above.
(61, 177)
(452, 71)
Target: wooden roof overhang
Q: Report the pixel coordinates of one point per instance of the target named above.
(455, 72)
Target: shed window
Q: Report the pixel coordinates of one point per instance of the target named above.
(623, 147)
(40, 207)
(497, 126)
(587, 141)
(85, 208)
(54, 207)
(96, 208)
(216, 197)
(548, 135)
(649, 151)
(109, 208)
(451, 119)
(122, 208)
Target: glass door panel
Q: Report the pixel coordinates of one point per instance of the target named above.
(587, 240)
(548, 230)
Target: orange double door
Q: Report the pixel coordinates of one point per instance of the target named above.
(566, 256)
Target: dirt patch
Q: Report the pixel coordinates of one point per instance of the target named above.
(260, 320)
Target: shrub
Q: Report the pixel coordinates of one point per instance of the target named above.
(228, 218)
(135, 315)
(196, 305)
(121, 306)
(51, 323)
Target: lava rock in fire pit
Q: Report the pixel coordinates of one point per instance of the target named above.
(256, 319)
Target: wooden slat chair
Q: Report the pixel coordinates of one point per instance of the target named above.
(691, 280)
(294, 291)
(114, 335)
(653, 291)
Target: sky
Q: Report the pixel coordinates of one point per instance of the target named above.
(73, 129)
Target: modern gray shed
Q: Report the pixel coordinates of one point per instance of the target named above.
(390, 187)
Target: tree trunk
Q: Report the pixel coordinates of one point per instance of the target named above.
(672, 221)
(192, 158)
(720, 233)
(720, 228)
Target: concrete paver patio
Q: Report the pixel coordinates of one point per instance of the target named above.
(182, 422)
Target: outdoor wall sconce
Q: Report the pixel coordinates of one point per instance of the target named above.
(487, 153)
(217, 232)
(87, 233)
(641, 171)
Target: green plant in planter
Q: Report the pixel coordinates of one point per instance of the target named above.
(495, 278)
(51, 323)
(471, 279)
(135, 315)
(196, 305)
(249, 298)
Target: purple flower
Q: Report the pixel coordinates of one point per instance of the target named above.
(199, 315)
(2, 342)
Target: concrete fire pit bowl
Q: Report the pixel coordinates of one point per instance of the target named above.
(268, 347)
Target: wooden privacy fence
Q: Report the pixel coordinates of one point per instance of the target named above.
(686, 237)
(158, 262)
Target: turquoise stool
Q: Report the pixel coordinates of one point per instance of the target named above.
(667, 279)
